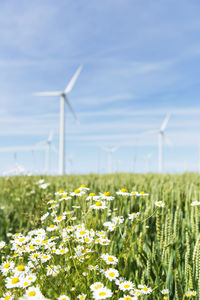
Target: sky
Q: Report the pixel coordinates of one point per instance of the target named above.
(141, 60)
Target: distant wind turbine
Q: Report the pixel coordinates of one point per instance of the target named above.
(47, 143)
(63, 100)
(110, 151)
(161, 134)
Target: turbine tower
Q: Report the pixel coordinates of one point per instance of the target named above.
(63, 100)
(160, 143)
(110, 151)
(161, 135)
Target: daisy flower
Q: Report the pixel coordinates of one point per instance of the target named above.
(102, 293)
(107, 196)
(111, 274)
(13, 282)
(63, 297)
(95, 286)
(59, 219)
(92, 196)
(78, 193)
(195, 203)
(127, 297)
(45, 257)
(165, 292)
(109, 259)
(60, 192)
(142, 194)
(2, 244)
(82, 297)
(6, 267)
(98, 205)
(7, 296)
(133, 215)
(159, 204)
(44, 216)
(144, 289)
(83, 188)
(52, 227)
(126, 286)
(33, 293)
(123, 192)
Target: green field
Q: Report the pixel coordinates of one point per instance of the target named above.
(159, 249)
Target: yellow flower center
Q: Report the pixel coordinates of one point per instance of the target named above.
(6, 266)
(69, 227)
(83, 185)
(64, 196)
(141, 192)
(92, 194)
(82, 232)
(60, 191)
(87, 240)
(133, 214)
(62, 251)
(133, 193)
(59, 218)
(145, 289)
(68, 211)
(107, 194)
(26, 283)
(102, 293)
(51, 226)
(45, 256)
(20, 268)
(112, 274)
(33, 293)
(21, 240)
(98, 286)
(123, 190)
(127, 298)
(7, 297)
(77, 191)
(35, 255)
(110, 259)
(31, 247)
(15, 280)
(30, 278)
(126, 286)
(98, 203)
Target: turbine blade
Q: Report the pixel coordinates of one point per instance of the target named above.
(164, 124)
(71, 109)
(50, 138)
(48, 94)
(72, 81)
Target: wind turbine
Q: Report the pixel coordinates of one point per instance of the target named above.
(63, 100)
(161, 135)
(48, 147)
(110, 151)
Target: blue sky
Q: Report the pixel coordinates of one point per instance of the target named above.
(141, 59)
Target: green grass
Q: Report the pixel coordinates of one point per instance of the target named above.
(160, 249)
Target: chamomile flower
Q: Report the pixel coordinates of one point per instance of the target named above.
(61, 251)
(7, 296)
(60, 193)
(13, 282)
(127, 297)
(109, 259)
(96, 286)
(63, 297)
(78, 193)
(98, 205)
(92, 196)
(83, 188)
(133, 215)
(21, 270)
(123, 192)
(134, 193)
(2, 244)
(111, 274)
(142, 194)
(53, 270)
(118, 220)
(44, 216)
(102, 293)
(190, 294)
(159, 204)
(52, 227)
(195, 203)
(126, 286)
(44, 185)
(6, 267)
(45, 257)
(82, 297)
(59, 219)
(165, 292)
(107, 196)
(144, 289)
(93, 268)
(33, 293)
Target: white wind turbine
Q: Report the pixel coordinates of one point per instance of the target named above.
(48, 147)
(63, 100)
(161, 133)
(110, 151)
